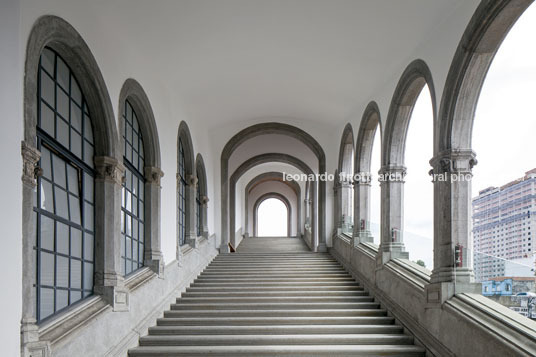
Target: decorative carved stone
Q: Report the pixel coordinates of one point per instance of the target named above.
(30, 159)
(191, 180)
(153, 175)
(204, 200)
(109, 169)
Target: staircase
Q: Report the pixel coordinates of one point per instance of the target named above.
(262, 301)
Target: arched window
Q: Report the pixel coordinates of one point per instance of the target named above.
(182, 194)
(65, 189)
(132, 197)
(201, 198)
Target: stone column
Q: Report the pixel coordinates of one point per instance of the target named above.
(29, 329)
(153, 254)
(109, 281)
(191, 231)
(337, 196)
(452, 174)
(204, 217)
(362, 232)
(392, 219)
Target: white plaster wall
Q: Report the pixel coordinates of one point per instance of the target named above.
(11, 135)
(269, 187)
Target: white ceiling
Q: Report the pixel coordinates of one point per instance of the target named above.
(234, 60)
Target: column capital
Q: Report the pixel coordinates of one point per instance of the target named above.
(153, 175)
(453, 162)
(363, 178)
(204, 200)
(109, 169)
(392, 173)
(30, 169)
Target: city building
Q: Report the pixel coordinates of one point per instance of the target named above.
(504, 223)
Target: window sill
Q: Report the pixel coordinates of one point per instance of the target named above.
(72, 319)
(409, 272)
(139, 278)
(186, 249)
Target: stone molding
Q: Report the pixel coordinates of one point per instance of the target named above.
(109, 169)
(30, 168)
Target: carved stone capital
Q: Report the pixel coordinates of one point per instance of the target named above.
(392, 173)
(453, 162)
(153, 175)
(363, 178)
(30, 169)
(109, 169)
(204, 200)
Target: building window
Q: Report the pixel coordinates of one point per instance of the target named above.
(182, 194)
(132, 197)
(198, 208)
(65, 191)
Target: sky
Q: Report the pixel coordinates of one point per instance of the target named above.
(272, 218)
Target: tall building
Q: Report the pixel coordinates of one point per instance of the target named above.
(503, 223)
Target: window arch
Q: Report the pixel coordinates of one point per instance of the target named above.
(186, 192)
(65, 190)
(72, 95)
(132, 193)
(133, 103)
(201, 197)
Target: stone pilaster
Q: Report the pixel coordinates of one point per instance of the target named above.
(362, 188)
(204, 208)
(109, 281)
(191, 231)
(153, 257)
(29, 330)
(392, 220)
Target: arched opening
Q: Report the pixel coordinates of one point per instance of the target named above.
(454, 157)
(394, 234)
(368, 163)
(273, 218)
(375, 192)
(418, 191)
(344, 182)
(227, 184)
(504, 181)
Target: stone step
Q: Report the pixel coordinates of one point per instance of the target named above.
(281, 350)
(275, 306)
(275, 329)
(237, 321)
(272, 279)
(275, 294)
(269, 299)
(292, 275)
(279, 312)
(274, 283)
(276, 288)
(250, 270)
(290, 339)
